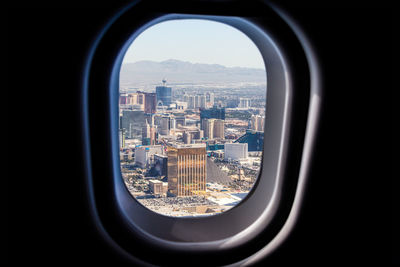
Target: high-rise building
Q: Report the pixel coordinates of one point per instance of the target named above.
(164, 94)
(148, 134)
(235, 151)
(200, 101)
(164, 125)
(187, 172)
(195, 101)
(150, 103)
(132, 121)
(257, 122)
(190, 100)
(213, 128)
(208, 127)
(210, 98)
(244, 103)
(219, 129)
(212, 113)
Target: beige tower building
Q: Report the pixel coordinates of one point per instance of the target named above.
(187, 173)
(257, 122)
(219, 129)
(208, 127)
(213, 128)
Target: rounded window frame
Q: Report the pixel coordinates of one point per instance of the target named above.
(177, 234)
(248, 221)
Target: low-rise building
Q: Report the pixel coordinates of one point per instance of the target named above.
(158, 188)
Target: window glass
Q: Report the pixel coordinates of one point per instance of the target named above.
(192, 108)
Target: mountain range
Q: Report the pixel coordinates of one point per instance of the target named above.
(181, 72)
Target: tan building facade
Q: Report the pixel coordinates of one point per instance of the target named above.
(187, 173)
(158, 188)
(208, 127)
(219, 129)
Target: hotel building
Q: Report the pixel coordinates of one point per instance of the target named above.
(187, 173)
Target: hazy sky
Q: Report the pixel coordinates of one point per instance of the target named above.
(196, 41)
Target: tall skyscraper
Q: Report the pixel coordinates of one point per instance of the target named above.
(244, 102)
(187, 172)
(200, 101)
(208, 128)
(219, 129)
(212, 113)
(148, 134)
(132, 121)
(164, 94)
(150, 103)
(257, 122)
(210, 98)
(164, 124)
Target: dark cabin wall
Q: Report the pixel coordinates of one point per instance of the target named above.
(346, 207)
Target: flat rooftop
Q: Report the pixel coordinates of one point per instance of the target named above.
(188, 145)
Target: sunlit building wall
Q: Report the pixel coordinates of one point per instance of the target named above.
(219, 129)
(187, 173)
(208, 128)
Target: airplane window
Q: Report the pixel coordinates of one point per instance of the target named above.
(192, 104)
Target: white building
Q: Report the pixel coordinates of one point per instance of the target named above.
(144, 155)
(236, 151)
(195, 101)
(244, 102)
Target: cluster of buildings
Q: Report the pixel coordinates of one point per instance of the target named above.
(194, 101)
(173, 141)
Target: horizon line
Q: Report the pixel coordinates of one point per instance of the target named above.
(172, 59)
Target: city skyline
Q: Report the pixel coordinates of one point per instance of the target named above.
(185, 153)
(192, 111)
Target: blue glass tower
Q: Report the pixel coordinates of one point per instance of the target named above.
(164, 95)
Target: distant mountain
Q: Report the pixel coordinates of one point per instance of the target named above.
(181, 72)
